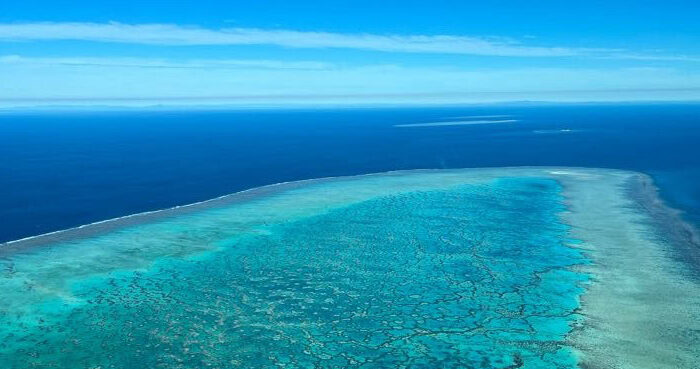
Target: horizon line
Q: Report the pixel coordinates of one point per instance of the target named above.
(328, 105)
(337, 95)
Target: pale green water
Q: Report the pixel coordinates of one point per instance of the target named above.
(416, 272)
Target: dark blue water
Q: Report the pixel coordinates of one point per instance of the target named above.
(60, 169)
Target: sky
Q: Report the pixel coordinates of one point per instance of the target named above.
(312, 52)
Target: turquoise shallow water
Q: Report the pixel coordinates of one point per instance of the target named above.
(471, 276)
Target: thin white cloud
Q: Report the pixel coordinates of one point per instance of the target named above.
(174, 35)
(171, 34)
(651, 57)
(122, 79)
(164, 64)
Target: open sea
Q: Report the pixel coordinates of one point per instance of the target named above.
(61, 169)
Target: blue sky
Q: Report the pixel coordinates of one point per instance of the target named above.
(119, 52)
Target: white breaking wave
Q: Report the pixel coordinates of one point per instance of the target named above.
(464, 117)
(554, 131)
(456, 123)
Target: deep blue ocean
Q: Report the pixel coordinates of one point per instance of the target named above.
(63, 169)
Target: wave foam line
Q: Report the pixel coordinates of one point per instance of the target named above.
(456, 123)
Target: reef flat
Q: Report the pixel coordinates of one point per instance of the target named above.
(642, 309)
(471, 268)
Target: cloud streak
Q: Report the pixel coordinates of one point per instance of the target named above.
(171, 34)
(98, 78)
(163, 64)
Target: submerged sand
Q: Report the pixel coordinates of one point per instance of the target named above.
(641, 308)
